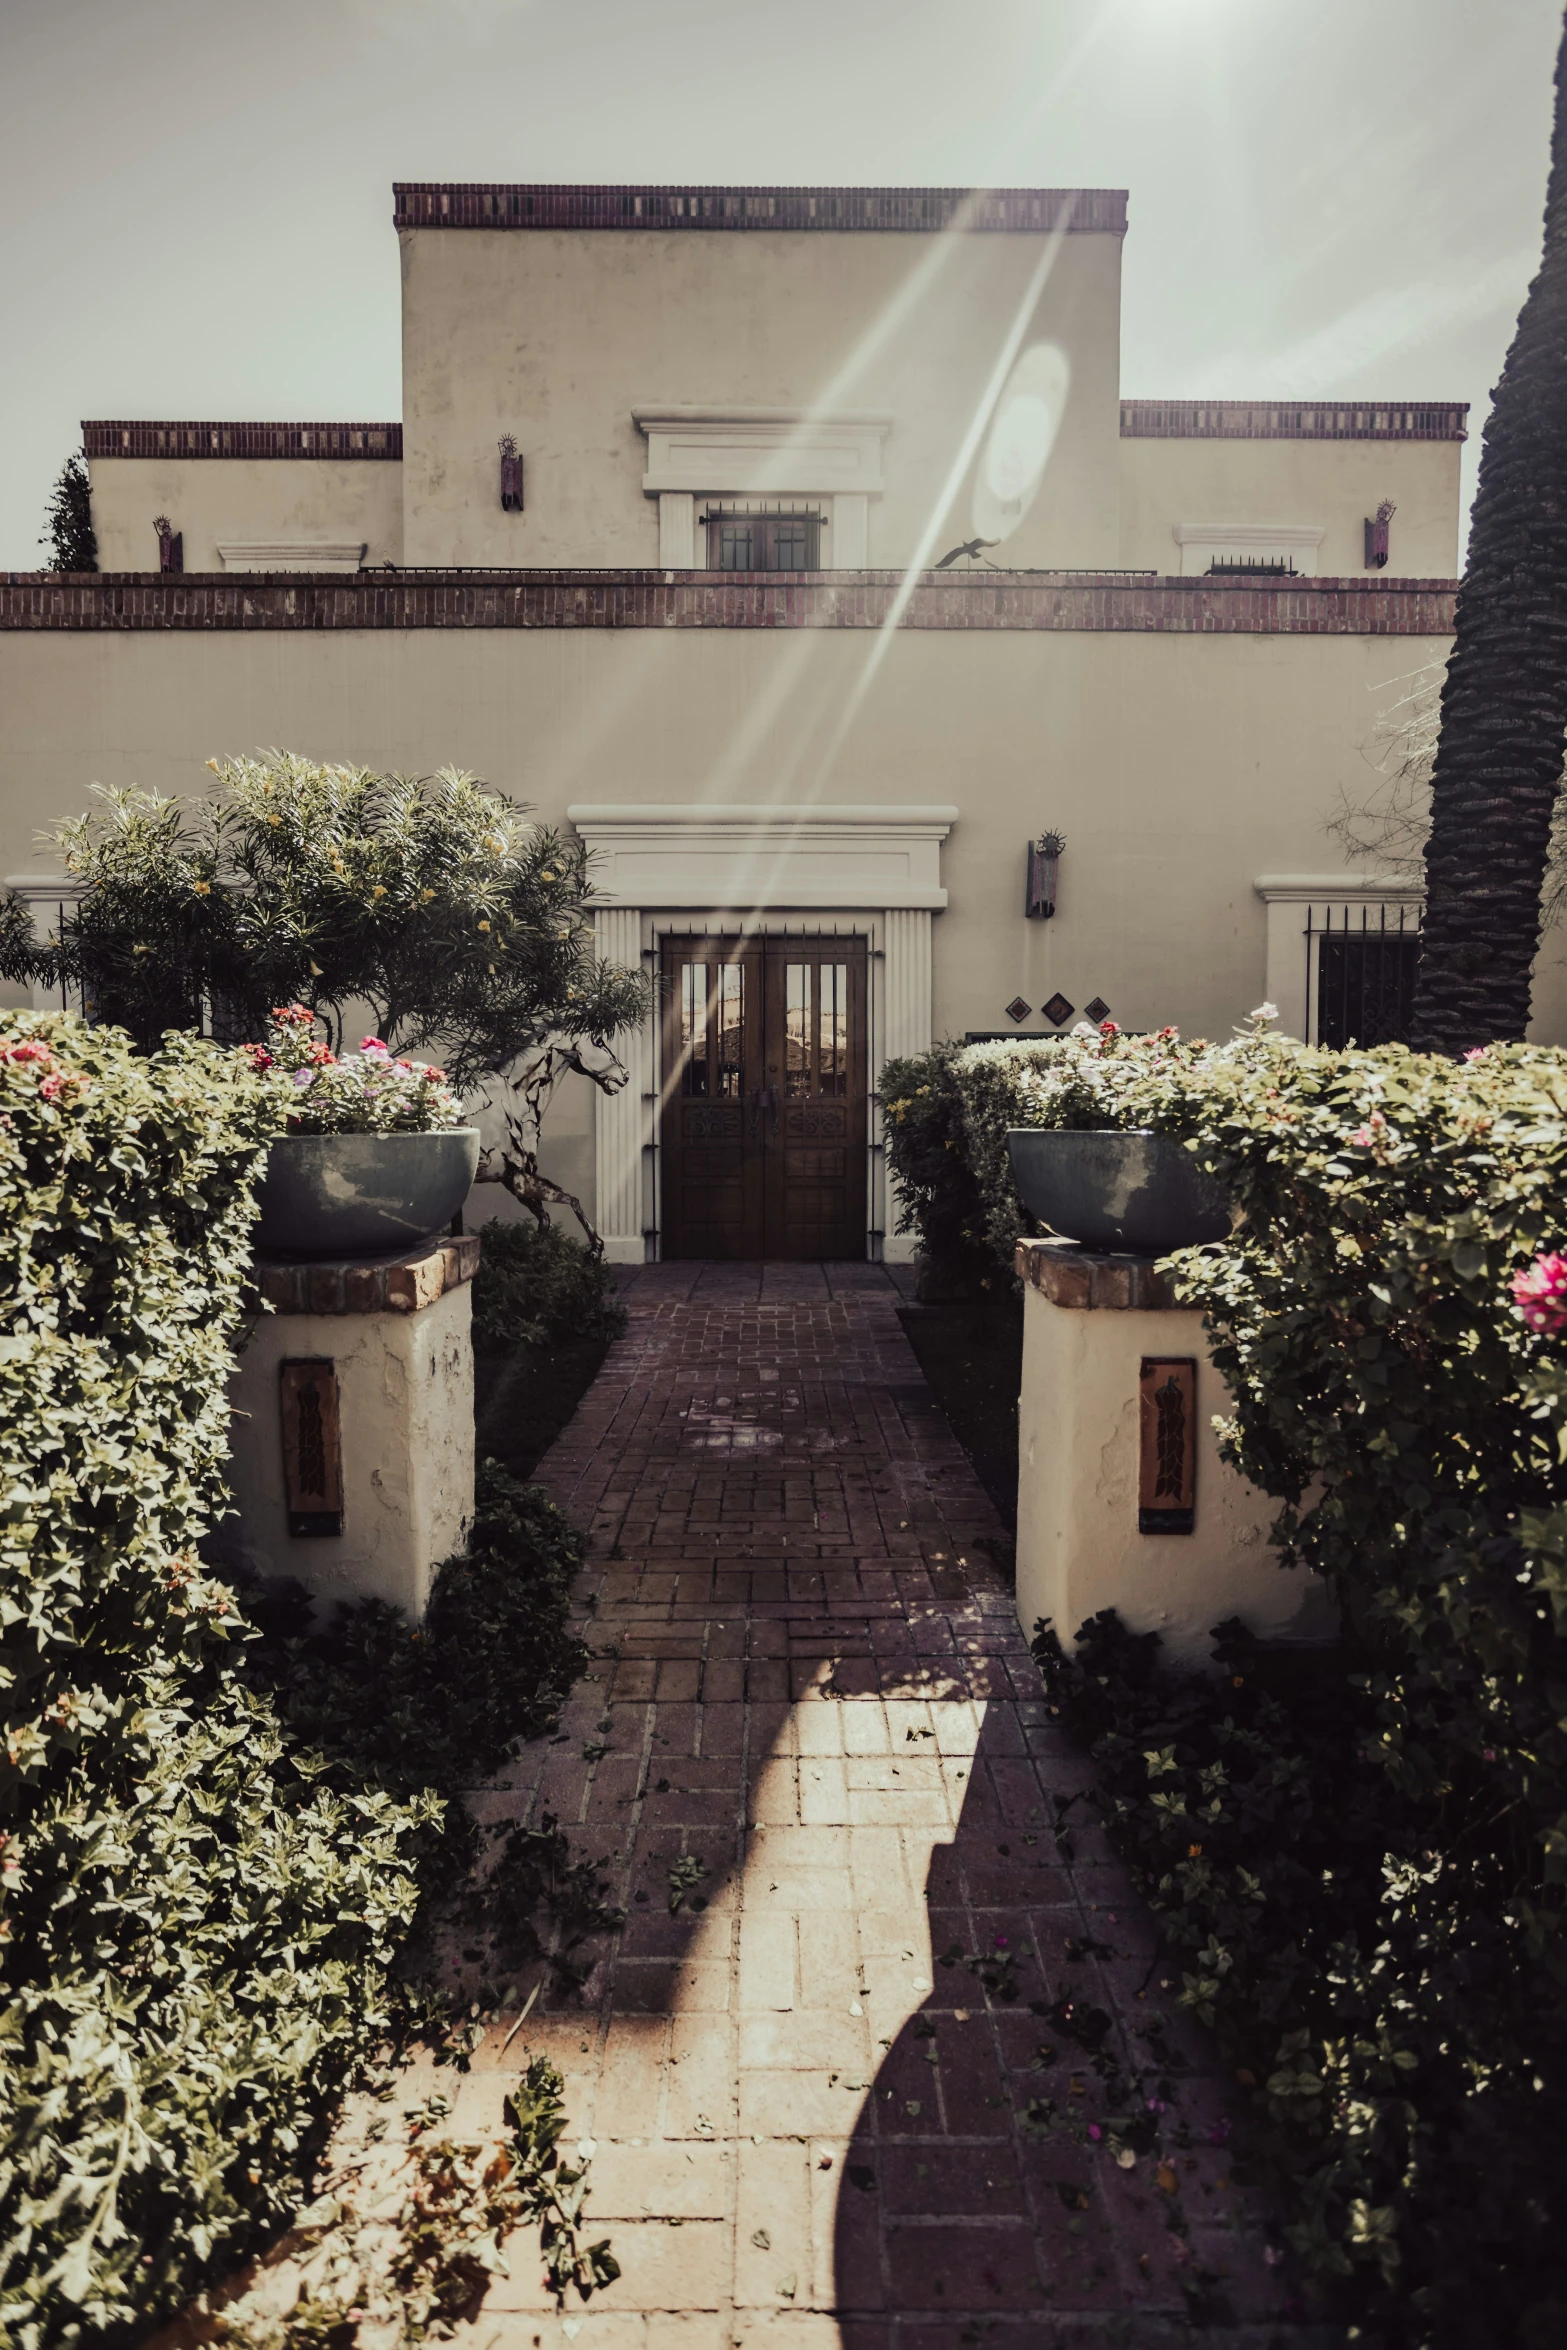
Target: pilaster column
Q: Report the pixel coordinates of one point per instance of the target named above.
(622, 1121)
(677, 530)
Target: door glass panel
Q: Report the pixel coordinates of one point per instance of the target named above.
(797, 1028)
(832, 1028)
(693, 1030)
(729, 1021)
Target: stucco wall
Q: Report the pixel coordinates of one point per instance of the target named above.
(556, 336)
(218, 500)
(1178, 767)
(1331, 484)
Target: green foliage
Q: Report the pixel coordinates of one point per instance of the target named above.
(412, 2273)
(1415, 1431)
(68, 525)
(196, 1930)
(1423, 2183)
(214, 1849)
(432, 900)
(440, 1705)
(948, 1113)
(534, 1287)
(938, 1196)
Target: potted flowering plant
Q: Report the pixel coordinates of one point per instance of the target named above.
(1103, 1158)
(374, 1156)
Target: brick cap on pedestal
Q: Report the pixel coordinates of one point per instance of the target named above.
(1071, 1275)
(376, 1285)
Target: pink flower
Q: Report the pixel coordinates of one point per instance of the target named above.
(1094, 2131)
(1364, 1136)
(28, 1052)
(1540, 1294)
(52, 1087)
(1108, 1028)
(434, 1076)
(371, 1044)
(1476, 1052)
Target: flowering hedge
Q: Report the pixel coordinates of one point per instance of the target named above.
(194, 1931)
(1390, 1316)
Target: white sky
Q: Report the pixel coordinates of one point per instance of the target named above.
(1341, 197)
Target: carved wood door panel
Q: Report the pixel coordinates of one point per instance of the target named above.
(764, 1109)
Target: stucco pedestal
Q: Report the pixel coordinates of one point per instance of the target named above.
(382, 1355)
(1101, 1474)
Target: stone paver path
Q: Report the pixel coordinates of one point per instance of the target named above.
(821, 2092)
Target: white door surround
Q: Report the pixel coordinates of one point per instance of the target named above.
(871, 872)
(830, 460)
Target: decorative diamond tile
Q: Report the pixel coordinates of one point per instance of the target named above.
(1097, 1009)
(1058, 1009)
(1017, 1009)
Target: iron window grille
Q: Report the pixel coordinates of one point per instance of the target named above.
(763, 538)
(1360, 974)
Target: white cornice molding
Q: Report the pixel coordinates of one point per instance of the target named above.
(1249, 534)
(1304, 889)
(737, 860)
(292, 554)
(45, 889)
(766, 452)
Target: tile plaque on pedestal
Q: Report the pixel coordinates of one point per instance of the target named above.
(312, 1445)
(1167, 1433)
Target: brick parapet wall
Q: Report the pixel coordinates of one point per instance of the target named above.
(431, 204)
(991, 600)
(123, 438)
(1290, 420)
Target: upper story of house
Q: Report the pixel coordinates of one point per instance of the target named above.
(780, 379)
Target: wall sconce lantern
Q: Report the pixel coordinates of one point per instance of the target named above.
(171, 545)
(511, 475)
(1044, 855)
(1377, 534)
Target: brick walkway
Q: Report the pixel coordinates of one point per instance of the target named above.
(821, 2093)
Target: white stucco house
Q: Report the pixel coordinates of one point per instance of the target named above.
(658, 546)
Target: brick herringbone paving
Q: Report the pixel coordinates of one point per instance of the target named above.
(853, 2090)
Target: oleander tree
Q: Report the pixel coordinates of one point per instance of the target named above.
(432, 906)
(1498, 765)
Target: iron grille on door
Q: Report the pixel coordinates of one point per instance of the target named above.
(1360, 974)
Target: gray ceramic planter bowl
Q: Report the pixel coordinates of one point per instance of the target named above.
(1142, 1194)
(363, 1195)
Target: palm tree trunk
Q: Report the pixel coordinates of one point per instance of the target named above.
(1504, 704)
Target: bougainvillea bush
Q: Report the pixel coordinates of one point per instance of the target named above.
(214, 1844)
(1367, 1882)
(196, 1932)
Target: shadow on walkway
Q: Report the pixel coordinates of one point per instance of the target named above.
(848, 2070)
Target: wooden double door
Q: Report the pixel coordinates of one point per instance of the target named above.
(764, 1098)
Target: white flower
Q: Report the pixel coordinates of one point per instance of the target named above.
(1265, 1012)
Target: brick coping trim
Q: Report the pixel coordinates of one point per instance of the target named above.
(1294, 420)
(1073, 1276)
(397, 1285)
(1020, 211)
(1054, 602)
(124, 437)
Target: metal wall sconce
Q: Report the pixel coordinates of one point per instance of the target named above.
(171, 545)
(511, 475)
(1377, 535)
(1044, 855)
